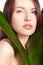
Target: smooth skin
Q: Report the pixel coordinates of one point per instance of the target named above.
(7, 56)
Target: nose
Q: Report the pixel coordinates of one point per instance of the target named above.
(27, 17)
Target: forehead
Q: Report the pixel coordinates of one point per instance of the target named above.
(24, 3)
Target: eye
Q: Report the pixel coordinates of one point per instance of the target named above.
(34, 12)
(19, 11)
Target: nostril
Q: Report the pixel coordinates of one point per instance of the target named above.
(27, 19)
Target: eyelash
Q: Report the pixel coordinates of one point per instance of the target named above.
(18, 11)
(35, 12)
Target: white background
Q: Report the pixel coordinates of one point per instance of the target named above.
(2, 2)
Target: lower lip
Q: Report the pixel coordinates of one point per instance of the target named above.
(27, 27)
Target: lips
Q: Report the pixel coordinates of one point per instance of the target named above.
(27, 26)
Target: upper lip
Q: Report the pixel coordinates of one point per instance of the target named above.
(27, 25)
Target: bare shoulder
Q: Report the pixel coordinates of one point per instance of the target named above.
(5, 47)
(7, 56)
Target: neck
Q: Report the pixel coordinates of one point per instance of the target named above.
(23, 39)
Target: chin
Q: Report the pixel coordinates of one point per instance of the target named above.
(29, 33)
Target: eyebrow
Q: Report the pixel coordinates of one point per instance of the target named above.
(34, 9)
(24, 8)
(20, 7)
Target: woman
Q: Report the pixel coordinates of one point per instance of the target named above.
(24, 16)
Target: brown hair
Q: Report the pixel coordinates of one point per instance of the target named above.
(8, 9)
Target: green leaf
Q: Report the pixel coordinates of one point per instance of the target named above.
(12, 35)
(36, 49)
(35, 53)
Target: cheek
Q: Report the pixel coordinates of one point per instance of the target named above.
(15, 22)
(34, 22)
(18, 17)
(34, 19)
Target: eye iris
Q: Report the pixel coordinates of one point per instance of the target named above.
(35, 12)
(19, 11)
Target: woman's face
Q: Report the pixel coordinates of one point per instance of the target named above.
(24, 19)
